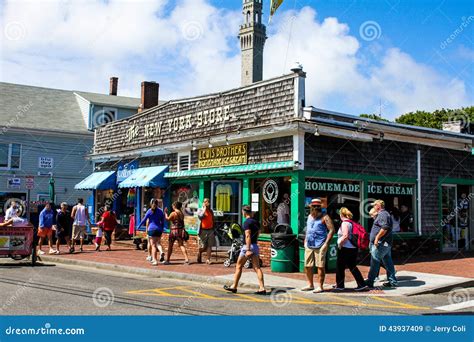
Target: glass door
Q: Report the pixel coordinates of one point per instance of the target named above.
(449, 217)
(227, 206)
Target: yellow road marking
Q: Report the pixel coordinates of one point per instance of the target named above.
(240, 297)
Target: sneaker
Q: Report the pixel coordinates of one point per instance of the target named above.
(166, 262)
(149, 258)
(307, 288)
(162, 257)
(52, 251)
(71, 250)
(361, 288)
(57, 252)
(154, 263)
(318, 290)
(335, 288)
(41, 252)
(389, 284)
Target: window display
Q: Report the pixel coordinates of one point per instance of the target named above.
(399, 202)
(271, 201)
(225, 201)
(188, 195)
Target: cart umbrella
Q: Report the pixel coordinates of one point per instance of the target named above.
(51, 189)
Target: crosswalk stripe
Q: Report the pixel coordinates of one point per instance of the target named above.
(456, 306)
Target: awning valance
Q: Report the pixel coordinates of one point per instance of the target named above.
(146, 177)
(232, 169)
(103, 180)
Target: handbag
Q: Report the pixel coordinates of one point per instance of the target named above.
(185, 235)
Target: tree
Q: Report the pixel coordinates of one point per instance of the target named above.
(435, 119)
(373, 117)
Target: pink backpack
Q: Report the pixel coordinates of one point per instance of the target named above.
(358, 236)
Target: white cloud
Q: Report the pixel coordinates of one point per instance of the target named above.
(190, 47)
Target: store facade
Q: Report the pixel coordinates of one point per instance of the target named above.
(260, 145)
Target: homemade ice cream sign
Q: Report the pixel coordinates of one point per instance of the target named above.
(381, 189)
(223, 156)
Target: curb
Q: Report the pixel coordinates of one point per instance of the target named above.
(444, 288)
(143, 271)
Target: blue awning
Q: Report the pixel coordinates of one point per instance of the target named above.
(146, 177)
(104, 180)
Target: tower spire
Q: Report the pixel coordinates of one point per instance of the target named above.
(252, 37)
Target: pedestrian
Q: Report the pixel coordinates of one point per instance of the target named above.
(63, 227)
(347, 253)
(381, 239)
(47, 222)
(12, 211)
(155, 221)
(395, 220)
(206, 236)
(109, 223)
(251, 251)
(319, 232)
(177, 231)
(80, 215)
(98, 236)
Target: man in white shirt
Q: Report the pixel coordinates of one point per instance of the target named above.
(12, 211)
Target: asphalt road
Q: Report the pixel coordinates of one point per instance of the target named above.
(73, 290)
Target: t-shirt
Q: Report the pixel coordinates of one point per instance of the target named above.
(10, 213)
(110, 221)
(223, 195)
(252, 225)
(207, 221)
(47, 218)
(155, 220)
(64, 221)
(383, 220)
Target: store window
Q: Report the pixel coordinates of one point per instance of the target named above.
(399, 201)
(225, 201)
(188, 195)
(149, 194)
(270, 201)
(10, 156)
(334, 195)
(103, 197)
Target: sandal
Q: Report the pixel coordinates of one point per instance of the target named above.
(307, 288)
(318, 290)
(230, 289)
(208, 262)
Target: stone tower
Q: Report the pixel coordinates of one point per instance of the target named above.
(252, 37)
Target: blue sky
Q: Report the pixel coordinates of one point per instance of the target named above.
(190, 47)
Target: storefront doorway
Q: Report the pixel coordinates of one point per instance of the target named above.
(226, 203)
(456, 211)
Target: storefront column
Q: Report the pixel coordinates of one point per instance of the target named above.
(204, 191)
(245, 192)
(297, 202)
(364, 207)
(138, 204)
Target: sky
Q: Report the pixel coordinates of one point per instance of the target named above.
(361, 56)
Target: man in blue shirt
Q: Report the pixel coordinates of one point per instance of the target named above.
(381, 240)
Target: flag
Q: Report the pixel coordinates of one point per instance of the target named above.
(274, 4)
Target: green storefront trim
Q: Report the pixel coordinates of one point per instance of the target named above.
(448, 181)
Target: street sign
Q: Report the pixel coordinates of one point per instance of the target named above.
(13, 183)
(30, 182)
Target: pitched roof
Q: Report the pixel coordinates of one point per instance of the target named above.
(110, 100)
(23, 106)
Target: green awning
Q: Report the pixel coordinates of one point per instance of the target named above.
(232, 169)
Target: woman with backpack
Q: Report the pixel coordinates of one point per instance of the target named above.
(347, 252)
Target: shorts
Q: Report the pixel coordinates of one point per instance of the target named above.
(78, 232)
(155, 233)
(60, 234)
(206, 238)
(176, 234)
(45, 232)
(253, 247)
(315, 257)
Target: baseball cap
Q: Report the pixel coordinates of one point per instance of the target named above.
(315, 202)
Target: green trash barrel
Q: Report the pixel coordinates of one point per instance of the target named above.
(331, 256)
(283, 252)
(301, 251)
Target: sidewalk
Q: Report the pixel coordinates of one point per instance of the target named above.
(422, 275)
